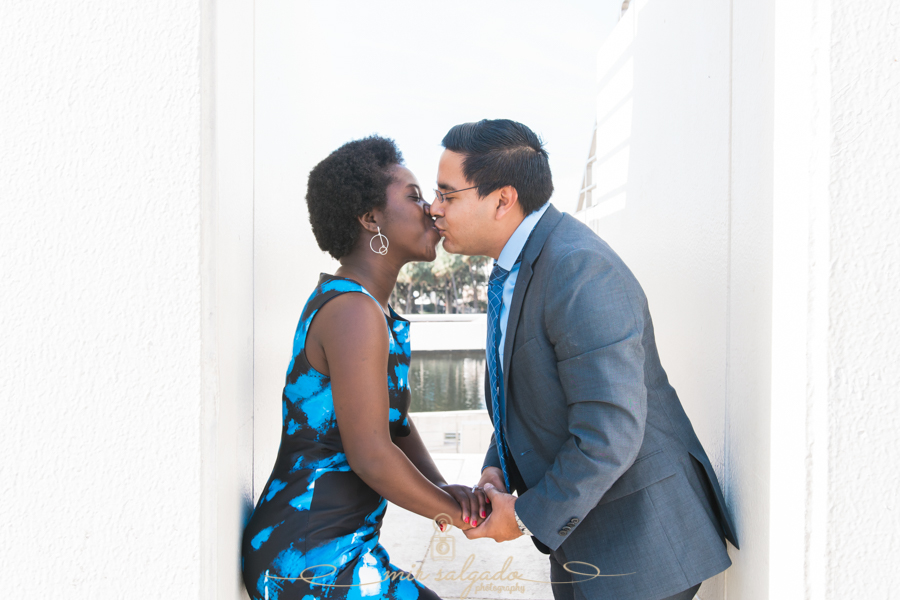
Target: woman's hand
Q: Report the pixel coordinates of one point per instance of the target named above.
(472, 503)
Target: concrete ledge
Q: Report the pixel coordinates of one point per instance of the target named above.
(447, 332)
(454, 431)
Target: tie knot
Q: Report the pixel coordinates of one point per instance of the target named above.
(498, 275)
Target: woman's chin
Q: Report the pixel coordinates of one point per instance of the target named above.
(431, 248)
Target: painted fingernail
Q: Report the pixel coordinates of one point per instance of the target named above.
(474, 523)
(483, 514)
(466, 519)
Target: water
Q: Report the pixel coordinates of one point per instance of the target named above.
(447, 380)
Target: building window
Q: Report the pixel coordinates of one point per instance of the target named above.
(587, 182)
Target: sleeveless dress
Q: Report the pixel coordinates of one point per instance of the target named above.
(314, 510)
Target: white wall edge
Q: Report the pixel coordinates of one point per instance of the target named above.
(790, 293)
(208, 364)
(227, 50)
(799, 455)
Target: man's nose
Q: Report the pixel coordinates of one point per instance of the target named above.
(435, 210)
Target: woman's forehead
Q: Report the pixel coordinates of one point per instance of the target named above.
(404, 177)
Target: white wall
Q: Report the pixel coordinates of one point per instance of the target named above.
(747, 173)
(855, 222)
(100, 210)
(228, 274)
(750, 269)
(662, 196)
(287, 261)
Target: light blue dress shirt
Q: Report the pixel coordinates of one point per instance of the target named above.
(507, 260)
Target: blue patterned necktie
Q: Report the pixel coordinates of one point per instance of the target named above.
(495, 300)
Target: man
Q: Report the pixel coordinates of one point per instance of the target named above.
(610, 475)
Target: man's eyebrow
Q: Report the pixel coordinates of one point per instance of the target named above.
(443, 186)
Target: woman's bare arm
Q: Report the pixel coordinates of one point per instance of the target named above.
(414, 449)
(473, 505)
(352, 333)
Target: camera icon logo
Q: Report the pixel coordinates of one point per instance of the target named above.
(443, 545)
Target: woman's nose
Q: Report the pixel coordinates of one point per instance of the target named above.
(427, 207)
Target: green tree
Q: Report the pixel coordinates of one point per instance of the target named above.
(460, 282)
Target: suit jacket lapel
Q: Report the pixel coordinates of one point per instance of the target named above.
(532, 250)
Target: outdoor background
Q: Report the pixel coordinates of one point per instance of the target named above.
(740, 155)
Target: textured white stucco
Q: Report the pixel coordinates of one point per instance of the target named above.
(100, 302)
(863, 298)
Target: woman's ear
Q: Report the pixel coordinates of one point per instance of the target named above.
(368, 222)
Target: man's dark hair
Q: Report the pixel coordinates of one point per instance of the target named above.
(501, 152)
(348, 183)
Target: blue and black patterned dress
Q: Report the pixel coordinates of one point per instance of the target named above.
(314, 510)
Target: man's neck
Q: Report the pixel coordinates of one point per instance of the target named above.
(515, 241)
(511, 229)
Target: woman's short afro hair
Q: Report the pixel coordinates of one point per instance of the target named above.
(351, 181)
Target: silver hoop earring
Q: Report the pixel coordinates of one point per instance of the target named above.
(383, 241)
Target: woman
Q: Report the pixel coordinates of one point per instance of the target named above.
(347, 444)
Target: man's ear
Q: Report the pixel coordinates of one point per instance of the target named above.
(507, 201)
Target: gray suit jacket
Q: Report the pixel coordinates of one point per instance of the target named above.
(607, 466)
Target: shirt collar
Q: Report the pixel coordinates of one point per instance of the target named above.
(517, 240)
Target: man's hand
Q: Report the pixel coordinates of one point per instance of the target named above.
(501, 522)
(494, 476)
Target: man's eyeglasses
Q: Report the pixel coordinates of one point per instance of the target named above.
(439, 195)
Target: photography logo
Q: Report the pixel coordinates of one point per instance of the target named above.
(443, 548)
(443, 545)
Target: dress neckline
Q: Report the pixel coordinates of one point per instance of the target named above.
(323, 277)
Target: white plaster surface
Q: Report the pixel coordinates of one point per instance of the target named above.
(863, 298)
(663, 162)
(750, 268)
(287, 261)
(760, 214)
(101, 299)
(228, 321)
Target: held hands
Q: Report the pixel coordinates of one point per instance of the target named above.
(472, 503)
(486, 503)
(501, 523)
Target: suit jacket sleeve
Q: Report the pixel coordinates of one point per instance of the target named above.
(593, 316)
